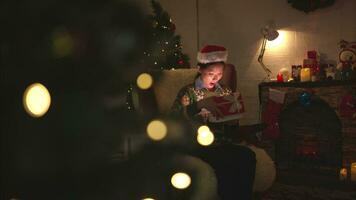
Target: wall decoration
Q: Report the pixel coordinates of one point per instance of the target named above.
(346, 68)
(310, 5)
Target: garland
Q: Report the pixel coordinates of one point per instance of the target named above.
(310, 5)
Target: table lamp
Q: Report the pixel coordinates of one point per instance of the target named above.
(269, 34)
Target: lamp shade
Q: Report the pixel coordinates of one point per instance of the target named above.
(269, 33)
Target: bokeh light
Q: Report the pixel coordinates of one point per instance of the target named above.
(36, 100)
(203, 128)
(157, 130)
(205, 137)
(62, 43)
(148, 199)
(180, 180)
(144, 81)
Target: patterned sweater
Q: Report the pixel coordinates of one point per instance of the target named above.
(186, 102)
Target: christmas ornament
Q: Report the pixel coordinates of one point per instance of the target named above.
(305, 98)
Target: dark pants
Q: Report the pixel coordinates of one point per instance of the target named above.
(234, 167)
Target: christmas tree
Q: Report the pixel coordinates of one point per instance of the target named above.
(166, 50)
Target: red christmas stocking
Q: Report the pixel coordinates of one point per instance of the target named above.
(348, 106)
(271, 113)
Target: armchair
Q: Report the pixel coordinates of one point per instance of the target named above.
(158, 100)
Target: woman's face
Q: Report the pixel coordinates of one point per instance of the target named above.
(211, 75)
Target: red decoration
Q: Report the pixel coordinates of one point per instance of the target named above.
(271, 113)
(270, 117)
(312, 54)
(279, 77)
(230, 106)
(180, 62)
(348, 106)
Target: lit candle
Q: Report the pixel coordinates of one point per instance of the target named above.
(343, 174)
(353, 171)
(305, 75)
(279, 77)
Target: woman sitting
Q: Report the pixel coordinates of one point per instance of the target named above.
(234, 165)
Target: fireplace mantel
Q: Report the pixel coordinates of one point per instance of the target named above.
(330, 92)
(308, 84)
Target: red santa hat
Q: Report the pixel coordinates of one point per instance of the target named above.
(212, 53)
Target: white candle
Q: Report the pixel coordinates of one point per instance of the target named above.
(305, 75)
(353, 171)
(343, 174)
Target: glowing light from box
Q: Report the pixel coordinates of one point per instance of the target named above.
(148, 199)
(279, 42)
(156, 130)
(144, 81)
(180, 180)
(205, 137)
(36, 100)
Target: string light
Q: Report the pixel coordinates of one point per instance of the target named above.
(156, 130)
(36, 100)
(205, 137)
(144, 81)
(180, 180)
(129, 98)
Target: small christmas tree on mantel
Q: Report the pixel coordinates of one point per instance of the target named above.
(166, 50)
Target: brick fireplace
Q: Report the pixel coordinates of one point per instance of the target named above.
(315, 137)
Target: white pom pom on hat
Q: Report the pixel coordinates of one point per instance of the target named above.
(211, 54)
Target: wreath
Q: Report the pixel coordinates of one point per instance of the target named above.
(310, 5)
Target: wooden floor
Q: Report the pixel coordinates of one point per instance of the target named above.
(304, 186)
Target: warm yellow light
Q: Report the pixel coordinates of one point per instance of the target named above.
(144, 81)
(203, 128)
(205, 137)
(36, 100)
(180, 180)
(156, 130)
(148, 199)
(278, 42)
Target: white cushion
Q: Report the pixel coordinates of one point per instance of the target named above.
(265, 169)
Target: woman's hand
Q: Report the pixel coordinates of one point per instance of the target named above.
(210, 105)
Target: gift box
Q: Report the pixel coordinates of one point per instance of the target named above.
(230, 106)
(312, 55)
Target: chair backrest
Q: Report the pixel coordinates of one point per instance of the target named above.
(170, 82)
